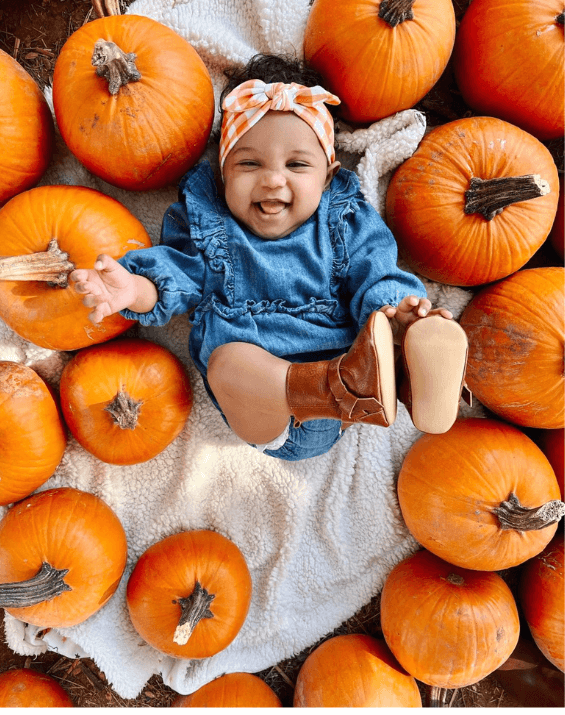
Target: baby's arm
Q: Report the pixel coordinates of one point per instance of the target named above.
(410, 309)
(109, 288)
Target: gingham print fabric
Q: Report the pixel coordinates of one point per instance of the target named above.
(250, 101)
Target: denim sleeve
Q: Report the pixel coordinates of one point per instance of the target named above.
(373, 278)
(176, 268)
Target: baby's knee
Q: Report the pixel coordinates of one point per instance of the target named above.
(224, 363)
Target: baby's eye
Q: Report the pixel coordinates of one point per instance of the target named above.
(248, 162)
(297, 165)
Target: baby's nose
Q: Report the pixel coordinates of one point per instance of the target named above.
(274, 178)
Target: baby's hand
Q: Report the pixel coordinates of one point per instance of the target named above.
(410, 309)
(108, 287)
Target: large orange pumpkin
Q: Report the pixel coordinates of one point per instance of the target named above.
(62, 554)
(447, 626)
(354, 670)
(126, 400)
(379, 56)
(551, 443)
(25, 688)
(482, 495)
(516, 340)
(234, 690)
(189, 594)
(474, 202)
(26, 129)
(32, 435)
(46, 233)
(509, 62)
(133, 100)
(542, 597)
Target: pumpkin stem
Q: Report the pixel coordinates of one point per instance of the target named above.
(561, 18)
(490, 196)
(45, 585)
(114, 65)
(51, 266)
(512, 515)
(455, 579)
(124, 409)
(394, 12)
(194, 608)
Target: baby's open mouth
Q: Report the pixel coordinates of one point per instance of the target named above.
(271, 206)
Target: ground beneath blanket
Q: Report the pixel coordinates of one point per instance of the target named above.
(34, 33)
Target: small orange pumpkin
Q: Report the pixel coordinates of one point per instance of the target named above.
(126, 400)
(26, 130)
(189, 594)
(62, 554)
(474, 202)
(543, 601)
(482, 495)
(25, 688)
(354, 670)
(234, 690)
(379, 56)
(32, 435)
(508, 61)
(133, 100)
(46, 233)
(447, 626)
(516, 333)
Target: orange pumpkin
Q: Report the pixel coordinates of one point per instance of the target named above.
(126, 400)
(46, 233)
(551, 443)
(25, 688)
(543, 601)
(474, 202)
(516, 338)
(189, 594)
(447, 626)
(62, 554)
(557, 234)
(379, 56)
(482, 495)
(508, 61)
(234, 690)
(26, 129)
(133, 100)
(354, 670)
(32, 434)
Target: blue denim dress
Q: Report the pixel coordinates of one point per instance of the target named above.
(302, 297)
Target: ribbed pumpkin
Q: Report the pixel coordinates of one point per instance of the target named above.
(234, 690)
(26, 129)
(32, 435)
(62, 554)
(516, 343)
(46, 233)
(542, 598)
(551, 443)
(354, 670)
(474, 202)
(189, 594)
(447, 626)
(126, 400)
(25, 688)
(482, 495)
(509, 62)
(133, 100)
(379, 56)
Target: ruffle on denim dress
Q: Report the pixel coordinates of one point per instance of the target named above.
(301, 297)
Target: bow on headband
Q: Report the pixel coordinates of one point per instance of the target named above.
(250, 101)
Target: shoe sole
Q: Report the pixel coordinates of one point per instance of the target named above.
(384, 348)
(435, 351)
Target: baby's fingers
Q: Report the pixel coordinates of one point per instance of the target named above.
(104, 262)
(99, 313)
(87, 288)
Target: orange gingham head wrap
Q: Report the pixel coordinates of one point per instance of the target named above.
(250, 101)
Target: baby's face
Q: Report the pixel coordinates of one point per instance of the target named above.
(275, 175)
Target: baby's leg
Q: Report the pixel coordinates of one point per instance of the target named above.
(249, 385)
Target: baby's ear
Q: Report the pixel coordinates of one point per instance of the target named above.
(332, 171)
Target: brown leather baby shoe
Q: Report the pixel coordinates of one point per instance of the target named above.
(358, 386)
(434, 360)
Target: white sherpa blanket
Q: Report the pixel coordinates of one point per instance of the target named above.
(319, 535)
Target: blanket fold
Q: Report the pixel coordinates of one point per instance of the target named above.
(319, 536)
